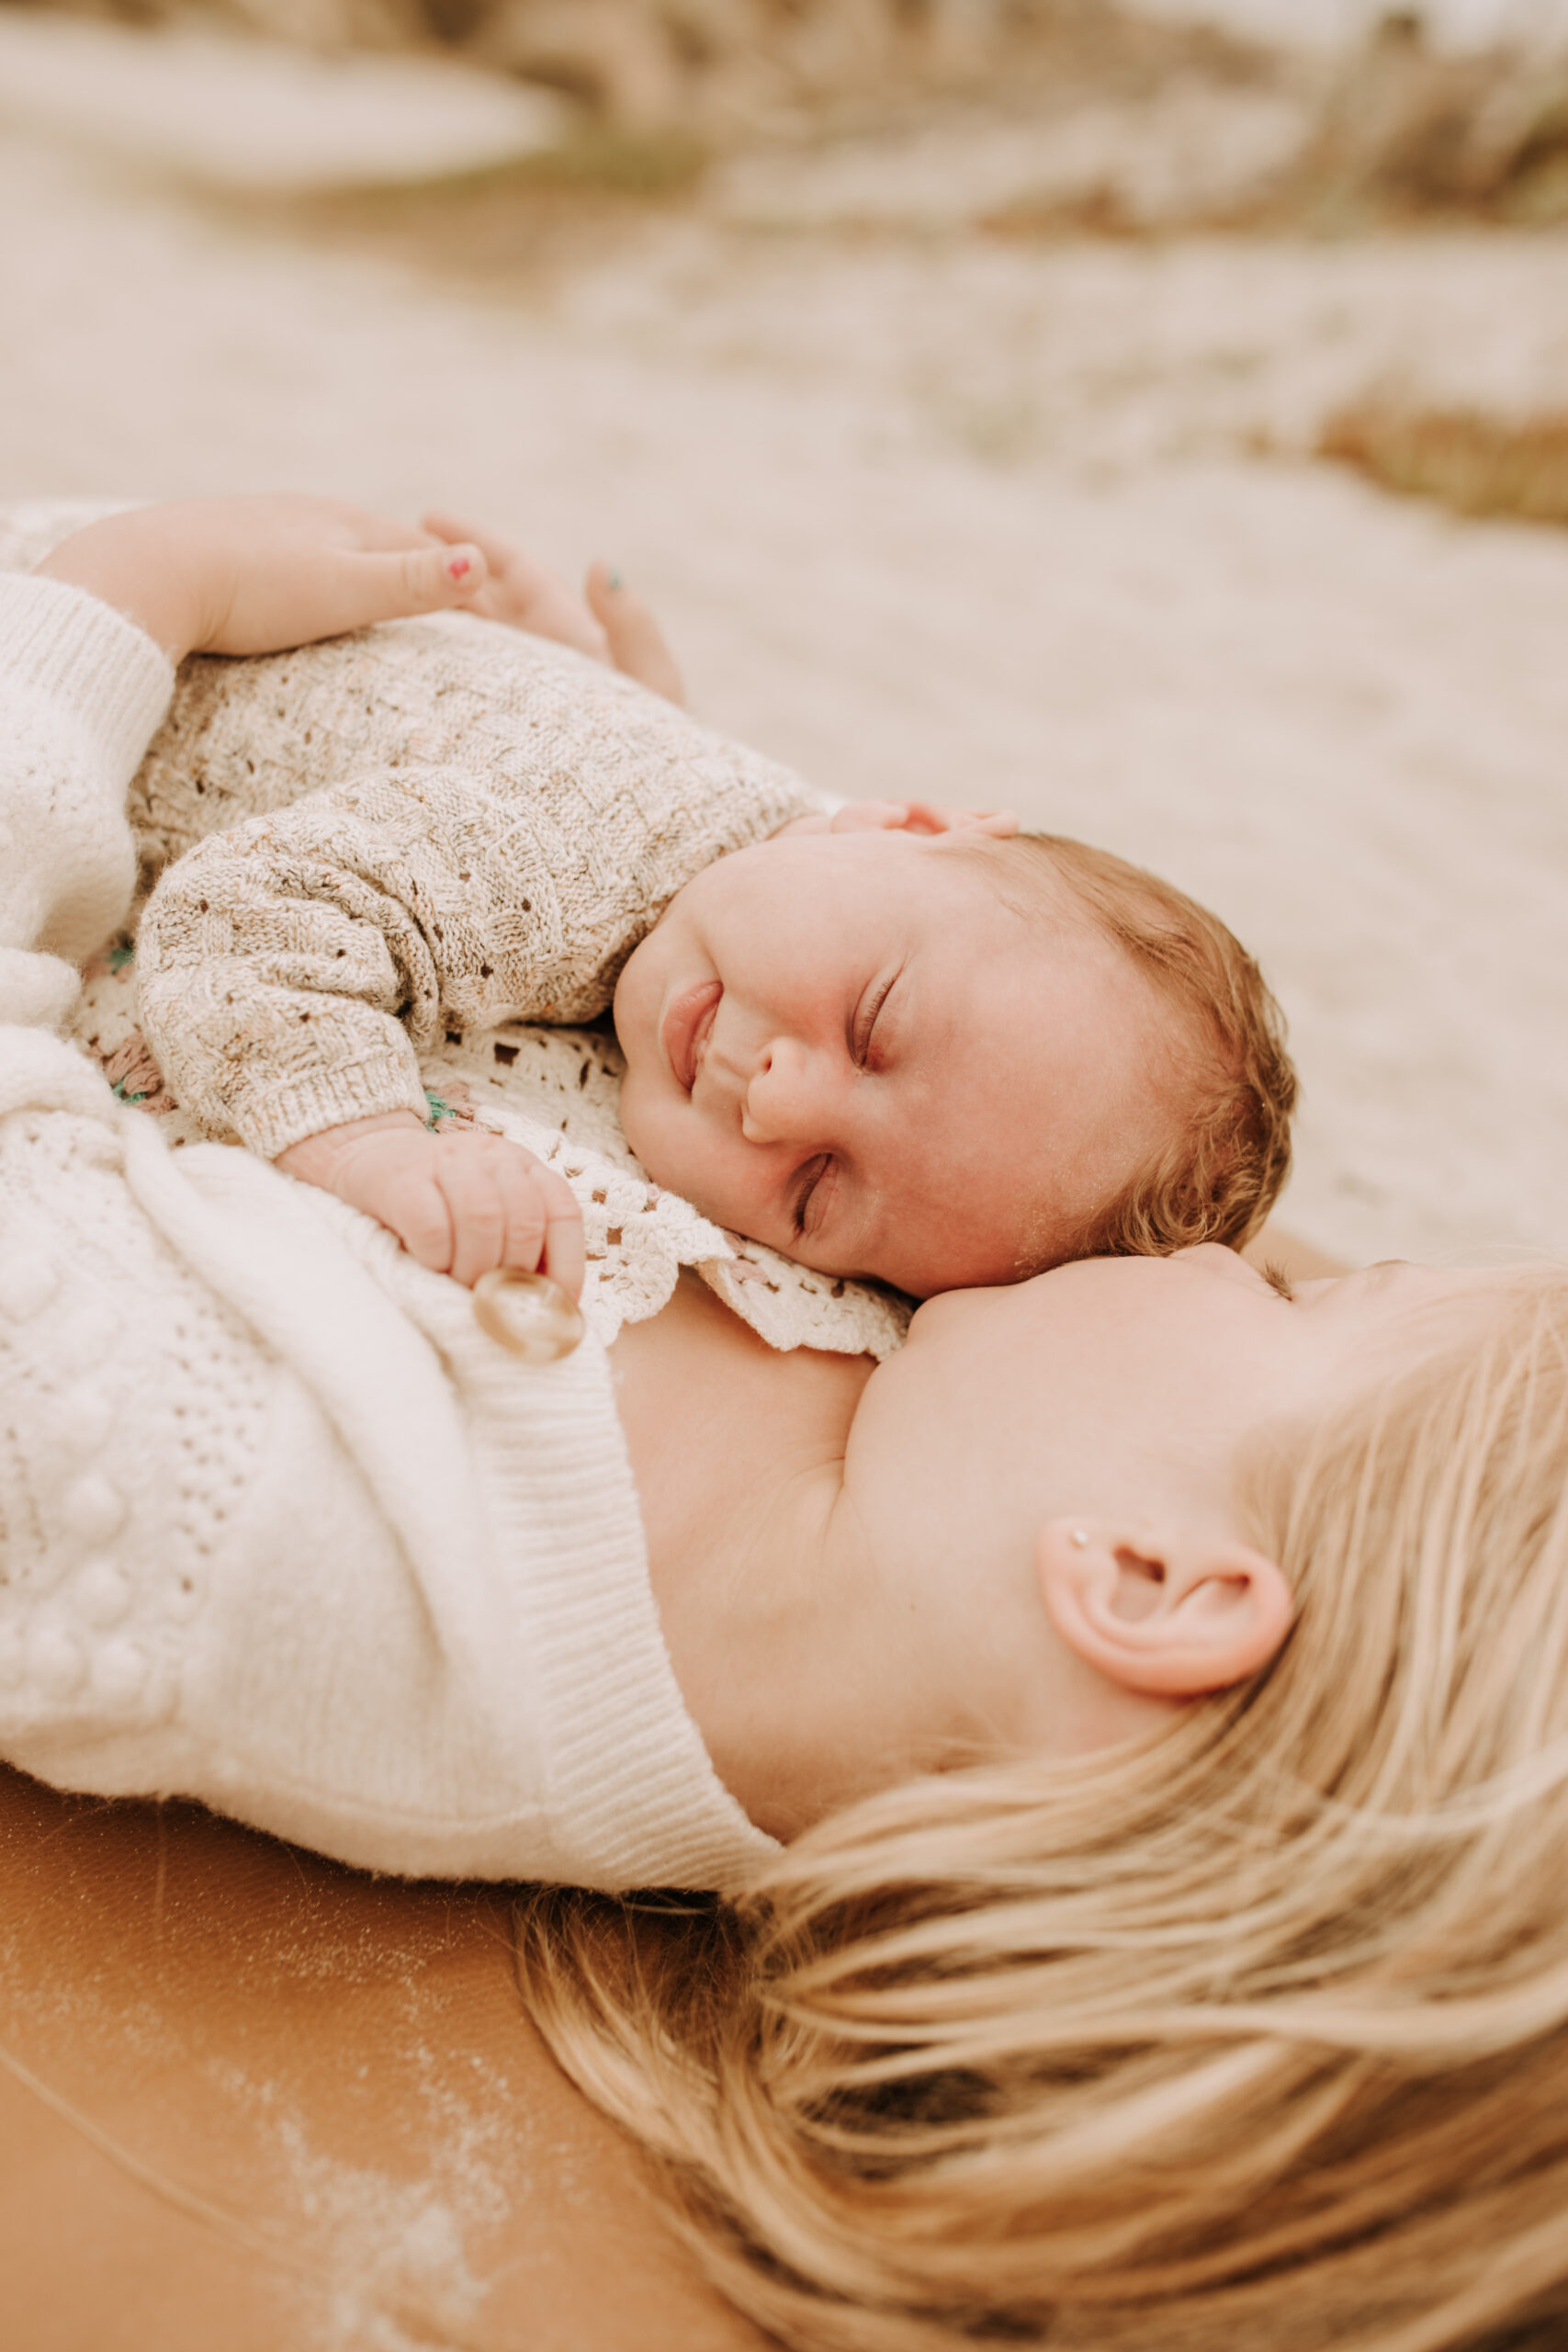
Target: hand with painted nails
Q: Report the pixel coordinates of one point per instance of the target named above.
(258, 575)
(462, 1202)
(609, 621)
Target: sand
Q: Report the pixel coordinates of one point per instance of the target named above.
(929, 513)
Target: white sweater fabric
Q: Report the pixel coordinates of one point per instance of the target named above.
(280, 1528)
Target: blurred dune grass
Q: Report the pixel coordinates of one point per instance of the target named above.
(1471, 463)
(670, 99)
(728, 71)
(1393, 133)
(1404, 134)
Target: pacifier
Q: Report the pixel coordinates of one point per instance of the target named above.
(528, 1315)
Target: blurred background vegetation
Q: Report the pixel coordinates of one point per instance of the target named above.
(1398, 130)
(1395, 131)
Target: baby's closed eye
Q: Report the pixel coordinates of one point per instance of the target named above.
(867, 1014)
(804, 1188)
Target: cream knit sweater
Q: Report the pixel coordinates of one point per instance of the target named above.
(279, 1528)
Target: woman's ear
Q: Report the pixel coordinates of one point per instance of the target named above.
(1161, 1610)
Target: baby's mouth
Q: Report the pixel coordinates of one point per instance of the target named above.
(686, 1027)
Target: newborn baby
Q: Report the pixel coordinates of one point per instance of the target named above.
(896, 1041)
(949, 1057)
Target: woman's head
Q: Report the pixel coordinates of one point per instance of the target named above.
(1042, 1545)
(1255, 2032)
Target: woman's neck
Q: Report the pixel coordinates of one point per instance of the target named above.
(737, 1451)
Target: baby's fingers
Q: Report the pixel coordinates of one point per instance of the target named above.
(563, 1258)
(636, 641)
(471, 1174)
(544, 1224)
(415, 1209)
(521, 591)
(506, 1209)
(926, 817)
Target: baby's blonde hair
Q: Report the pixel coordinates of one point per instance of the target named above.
(1231, 1081)
(1251, 2039)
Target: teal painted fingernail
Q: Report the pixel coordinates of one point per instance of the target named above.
(616, 580)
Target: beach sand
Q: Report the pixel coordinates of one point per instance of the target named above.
(927, 512)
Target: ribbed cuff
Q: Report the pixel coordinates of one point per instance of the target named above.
(98, 671)
(274, 1113)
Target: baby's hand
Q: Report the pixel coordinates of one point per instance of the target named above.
(258, 575)
(609, 621)
(461, 1203)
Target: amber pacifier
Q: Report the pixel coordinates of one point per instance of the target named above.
(527, 1314)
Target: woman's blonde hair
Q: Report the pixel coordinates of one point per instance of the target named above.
(1253, 2039)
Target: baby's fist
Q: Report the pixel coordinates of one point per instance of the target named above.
(462, 1202)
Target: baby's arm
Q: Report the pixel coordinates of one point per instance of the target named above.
(609, 621)
(464, 1202)
(248, 576)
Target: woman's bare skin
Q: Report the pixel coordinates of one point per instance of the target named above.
(734, 1445)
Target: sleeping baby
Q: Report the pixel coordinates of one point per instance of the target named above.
(893, 1041)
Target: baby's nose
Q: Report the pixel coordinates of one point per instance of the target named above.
(778, 1103)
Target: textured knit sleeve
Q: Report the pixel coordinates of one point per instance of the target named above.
(509, 819)
(81, 690)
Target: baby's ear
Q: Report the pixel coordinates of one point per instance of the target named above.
(920, 817)
(1162, 1611)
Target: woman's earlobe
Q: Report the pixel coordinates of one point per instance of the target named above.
(1162, 1609)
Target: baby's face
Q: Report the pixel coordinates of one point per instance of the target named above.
(849, 1047)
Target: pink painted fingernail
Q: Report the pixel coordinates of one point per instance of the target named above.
(460, 566)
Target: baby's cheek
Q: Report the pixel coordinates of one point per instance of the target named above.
(653, 1127)
(679, 1156)
(636, 1128)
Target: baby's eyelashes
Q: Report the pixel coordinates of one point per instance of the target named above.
(807, 1182)
(866, 1020)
